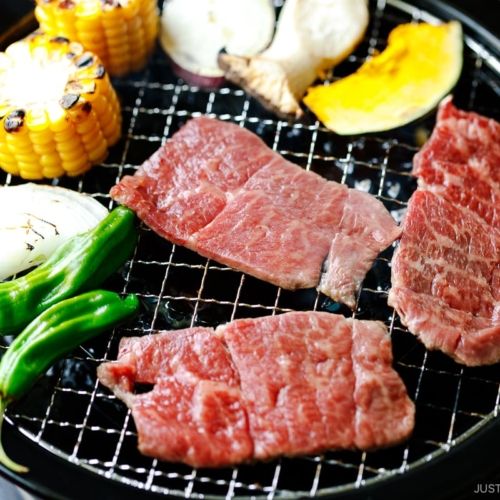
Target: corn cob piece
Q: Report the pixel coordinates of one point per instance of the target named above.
(59, 113)
(121, 32)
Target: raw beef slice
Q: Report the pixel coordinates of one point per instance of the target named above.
(460, 161)
(291, 384)
(363, 232)
(279, 228)
(217, 189)
(445, 272)
(462, 137)
(194, 413)
(446, 279)
(185, 184)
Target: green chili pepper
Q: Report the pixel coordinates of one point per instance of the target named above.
(80, 264)
(53, 335)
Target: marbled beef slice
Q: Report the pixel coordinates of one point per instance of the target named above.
(291, 384)
(365, 229)
(194, 412)
(185, 184)
(314, 381)
(217, 189)
(279, 227)
(446, 277)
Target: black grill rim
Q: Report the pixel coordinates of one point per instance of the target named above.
(468, 464)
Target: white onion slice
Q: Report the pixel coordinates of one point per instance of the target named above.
(36, 219)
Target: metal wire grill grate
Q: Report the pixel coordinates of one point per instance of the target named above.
(68, 411)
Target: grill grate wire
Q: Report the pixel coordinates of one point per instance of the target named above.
(72, 415)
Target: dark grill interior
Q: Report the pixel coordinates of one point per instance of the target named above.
(71, 414)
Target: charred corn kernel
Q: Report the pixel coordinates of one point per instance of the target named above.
(103, 25)
(67, 121)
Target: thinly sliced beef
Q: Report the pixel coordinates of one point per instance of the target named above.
(297, 380)
(446, 277)
(316, 381)
(278, 228)
(460, 161)
(363, 232)
(194, 412)
(186, 183)
(446, 269)
(217, 189)
(291, 384)
(462, 137)
(464, 186)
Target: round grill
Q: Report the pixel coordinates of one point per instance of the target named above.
(70, 419)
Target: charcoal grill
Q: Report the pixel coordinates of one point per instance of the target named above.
(80, 441)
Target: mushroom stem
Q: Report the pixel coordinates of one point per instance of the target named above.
(312, 36)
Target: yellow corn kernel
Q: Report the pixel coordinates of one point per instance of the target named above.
(63, 134)
(37, 120)
(58, 118)
(43, 17)
(10, 168)
(69, 145)
(8, 162)
(66, 134)
(100, 26)
(111, 136)
(50, 161)
(76, 166)
(93, 141)
(30, 170)
(42, 138)
(88, 125)
(109, 129)
(91, 134)
(131, 11)
(68, 155)
(52, 172)
(44, 149)
(19, 142)
(101, 106)
(27, 157)
(99, 155)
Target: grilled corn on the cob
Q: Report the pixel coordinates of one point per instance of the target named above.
(58, 110)
(121, 32)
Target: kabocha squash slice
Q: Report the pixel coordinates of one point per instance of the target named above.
(421, 65)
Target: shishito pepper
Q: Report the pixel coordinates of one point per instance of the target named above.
(82, 263)
(53, 335)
